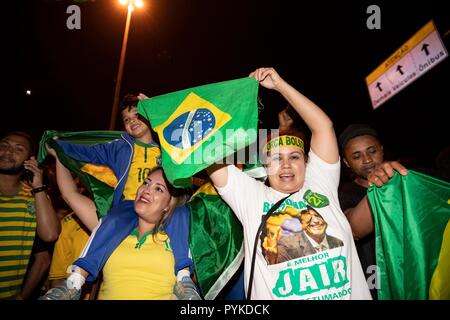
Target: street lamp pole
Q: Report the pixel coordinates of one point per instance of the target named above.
(115, 108)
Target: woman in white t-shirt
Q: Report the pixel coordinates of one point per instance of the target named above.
(306, 248)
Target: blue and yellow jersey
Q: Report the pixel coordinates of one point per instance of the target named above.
(145, 159)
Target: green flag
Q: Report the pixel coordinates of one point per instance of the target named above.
(215, 239)
(199, 126)
(99, 180)
(411, 213)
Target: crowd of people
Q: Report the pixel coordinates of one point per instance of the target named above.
(308, 232)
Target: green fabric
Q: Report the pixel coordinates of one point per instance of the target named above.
(145, 145)
(199, 126)
(410, 214)
(102, 193)
(215, 239)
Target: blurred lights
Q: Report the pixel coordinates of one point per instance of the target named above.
(28, 92)
(132, 3)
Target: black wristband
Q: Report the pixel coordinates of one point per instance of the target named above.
(39, 189)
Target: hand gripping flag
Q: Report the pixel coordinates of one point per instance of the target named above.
(411, 215)
(99, 180)
(215, 240)
(200, 126)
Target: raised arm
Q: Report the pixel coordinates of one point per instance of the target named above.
(83, 207)
(47, 223)
(100, 154)
(219, 175)
(323, 138)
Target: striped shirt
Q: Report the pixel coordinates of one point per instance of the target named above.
(17, 232)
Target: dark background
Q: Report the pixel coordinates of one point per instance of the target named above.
(323, 48)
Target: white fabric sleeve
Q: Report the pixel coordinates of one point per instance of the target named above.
(241, 193)
(323, 173)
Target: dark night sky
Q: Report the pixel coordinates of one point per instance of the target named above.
(323, 48)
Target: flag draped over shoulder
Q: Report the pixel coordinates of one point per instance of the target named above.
(215, 240)
(411, 214)
(199, 126)
(99, 180)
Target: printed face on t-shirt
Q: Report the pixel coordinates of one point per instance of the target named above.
(293, 233)
(314, 224)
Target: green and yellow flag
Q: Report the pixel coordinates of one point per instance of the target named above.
(412, 215)
(200, 126)
(99, 180)
(215, 240)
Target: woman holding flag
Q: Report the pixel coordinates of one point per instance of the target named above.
(300, 183)
(141, 265)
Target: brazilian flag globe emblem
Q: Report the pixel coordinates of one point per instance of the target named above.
(193, 122)
(200, 126)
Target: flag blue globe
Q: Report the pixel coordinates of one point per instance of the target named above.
(189, 128)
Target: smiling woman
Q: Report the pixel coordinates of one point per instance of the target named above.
(285, 160)
(130, 271)
(295, 182)
(155, 202)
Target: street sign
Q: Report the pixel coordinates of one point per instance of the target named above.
(418, 55)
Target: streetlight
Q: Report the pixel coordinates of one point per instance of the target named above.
(131, 5)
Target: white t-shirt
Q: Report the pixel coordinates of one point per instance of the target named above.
(330, 272)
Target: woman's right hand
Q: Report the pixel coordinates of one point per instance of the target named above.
(267, 77)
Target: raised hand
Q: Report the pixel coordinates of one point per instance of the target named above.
(384, 171)
(32, 165)
(142, 96)
(267, 77)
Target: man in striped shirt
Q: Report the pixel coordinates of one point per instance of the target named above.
(25, 209)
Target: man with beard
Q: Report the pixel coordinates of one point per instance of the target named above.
(26, 213)
(362, 152)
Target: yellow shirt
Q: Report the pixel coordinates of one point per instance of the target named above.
(145, 158)
(139, 270)
(68, 247)
(71, 242)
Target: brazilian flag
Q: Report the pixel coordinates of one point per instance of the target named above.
(412, 215)
(215, 239)
(99, 180)
(200, 126)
